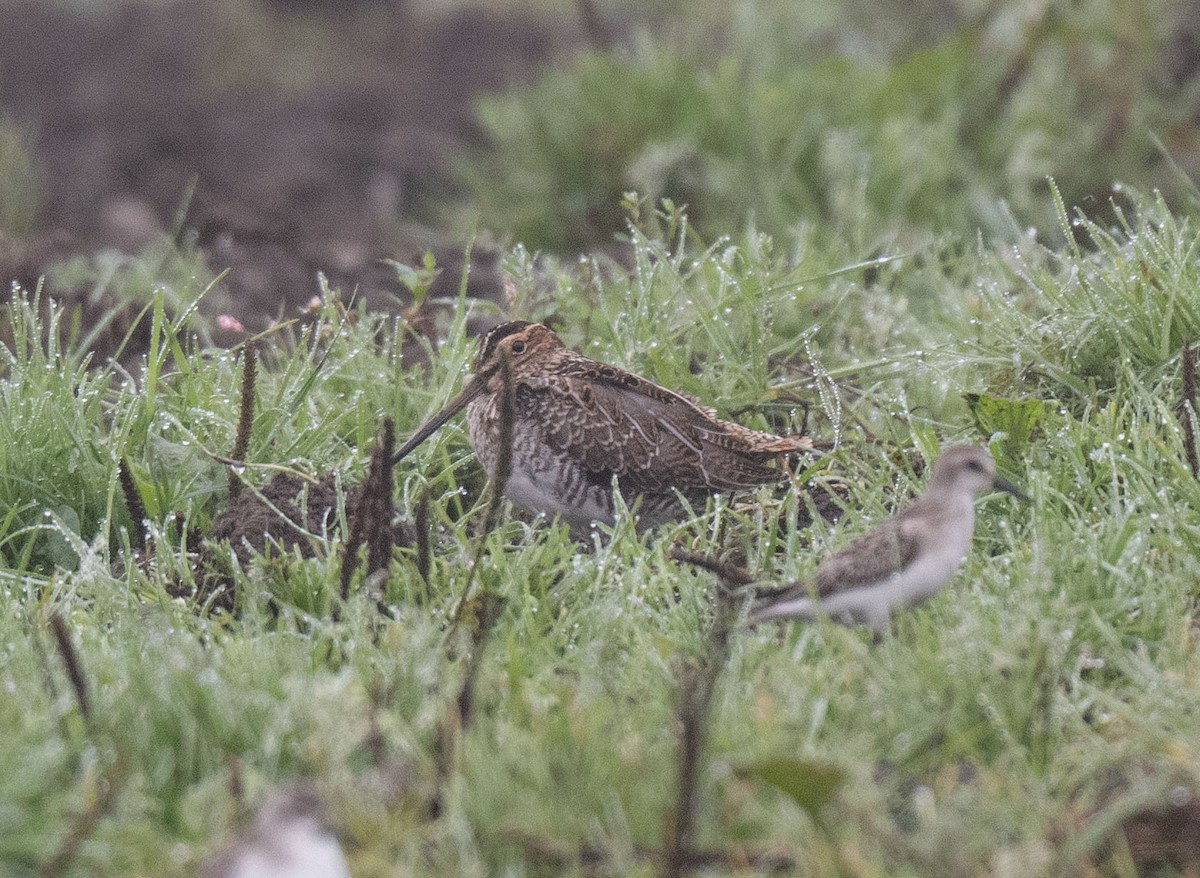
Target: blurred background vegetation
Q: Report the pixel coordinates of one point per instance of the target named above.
(896, 120)
(279, 139)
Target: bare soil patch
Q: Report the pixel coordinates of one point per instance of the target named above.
(282, 139)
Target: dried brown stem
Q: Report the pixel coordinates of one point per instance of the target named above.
(1187, 416)
(421, 524)
(70, 660)
(696, 683)
(84, 823)
(562, 856)
(371, 518)
(503, 468)
(133, 503)
(241, 442)
(732, 575)
(499, 477)
(376, 741)
(237, 785)
(484, 610)
(380, 540)
(486, 613)
(354, 542)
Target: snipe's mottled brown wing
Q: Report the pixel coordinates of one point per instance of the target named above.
(613, 422)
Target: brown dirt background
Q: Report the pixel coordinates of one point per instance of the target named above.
(319, 135)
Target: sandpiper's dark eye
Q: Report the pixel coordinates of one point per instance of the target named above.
(518, 347)
(975, 465)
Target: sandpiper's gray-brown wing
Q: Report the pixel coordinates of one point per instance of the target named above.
(873, 557)
(865, 561)
(613, 422)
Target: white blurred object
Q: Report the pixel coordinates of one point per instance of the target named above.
(288, 839)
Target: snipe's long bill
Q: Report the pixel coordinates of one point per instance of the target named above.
(477, 385)
(581, 425)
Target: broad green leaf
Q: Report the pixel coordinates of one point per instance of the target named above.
(809, 783)
(1009, 425)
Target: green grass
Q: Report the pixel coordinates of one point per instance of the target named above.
(981, 736)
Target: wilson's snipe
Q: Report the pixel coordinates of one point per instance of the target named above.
(579, 424)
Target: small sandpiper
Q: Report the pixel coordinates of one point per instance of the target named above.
(579, 424)
(905, 560)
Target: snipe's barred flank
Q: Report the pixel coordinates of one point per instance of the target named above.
(579, 424)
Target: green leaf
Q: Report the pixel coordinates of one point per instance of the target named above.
(64, 544)
(418, 280)
(809, 783)
(1009, 425)
(1016, 418)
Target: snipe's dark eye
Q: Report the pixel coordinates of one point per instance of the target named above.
(518, 347)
